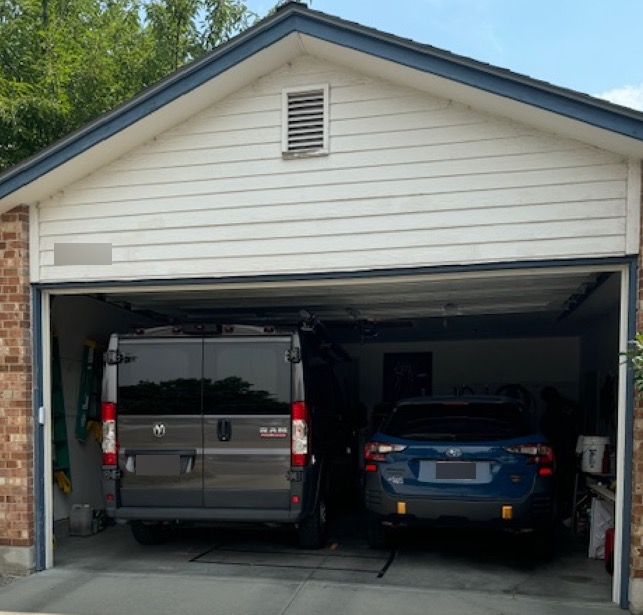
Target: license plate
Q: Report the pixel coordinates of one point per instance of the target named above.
(158, 465)
(458, 470)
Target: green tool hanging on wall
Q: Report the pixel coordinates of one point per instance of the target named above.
(88, 395)
(62, 471)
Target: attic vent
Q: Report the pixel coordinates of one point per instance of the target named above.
(305, 121)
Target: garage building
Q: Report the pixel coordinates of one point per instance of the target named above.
(417, 202)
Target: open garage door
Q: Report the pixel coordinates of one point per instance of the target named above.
(508, 330)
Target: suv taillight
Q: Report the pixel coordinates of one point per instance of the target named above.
(299, 434)
(540, 454)
(110, 444)
(377, 451)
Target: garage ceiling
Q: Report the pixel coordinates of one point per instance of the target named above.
(396, 307)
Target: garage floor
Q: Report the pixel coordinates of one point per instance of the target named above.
(445, 560)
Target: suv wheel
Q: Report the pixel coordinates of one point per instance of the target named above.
(147, 534)
(312, 530)
(543, 543)
(377, 535)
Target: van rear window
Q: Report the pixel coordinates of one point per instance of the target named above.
(160, 377)
(246, 377)
(188, 376)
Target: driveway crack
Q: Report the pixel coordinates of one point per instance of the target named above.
(301, 586)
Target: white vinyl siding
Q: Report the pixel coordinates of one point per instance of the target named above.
(413, 180)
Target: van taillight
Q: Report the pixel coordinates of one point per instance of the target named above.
(110, 445)
(299, 434)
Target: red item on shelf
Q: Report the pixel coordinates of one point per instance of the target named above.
(609, 550)
(606, 460)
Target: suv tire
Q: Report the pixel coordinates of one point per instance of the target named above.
(543, 543)
(377, 535)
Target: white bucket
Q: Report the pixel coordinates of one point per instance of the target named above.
(592, 449)
(80, 520)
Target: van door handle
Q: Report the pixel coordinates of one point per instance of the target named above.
(224, 430)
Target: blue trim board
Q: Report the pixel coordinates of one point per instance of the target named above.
(40, 513)
(299, 18)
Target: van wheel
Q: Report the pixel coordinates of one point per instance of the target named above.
(146, 534)
(312, 530)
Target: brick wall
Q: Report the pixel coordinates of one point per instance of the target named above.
(16, 424)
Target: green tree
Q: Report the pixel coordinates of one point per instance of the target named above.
(64, 62)
(635, 357)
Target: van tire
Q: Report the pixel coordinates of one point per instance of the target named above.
(312, 530)
(146, 534)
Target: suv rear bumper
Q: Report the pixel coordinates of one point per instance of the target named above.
(533, 512)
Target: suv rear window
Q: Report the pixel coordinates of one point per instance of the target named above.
(463, 421)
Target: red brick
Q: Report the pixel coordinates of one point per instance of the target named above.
(17, 525)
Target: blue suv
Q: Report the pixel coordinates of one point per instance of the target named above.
(459, 462)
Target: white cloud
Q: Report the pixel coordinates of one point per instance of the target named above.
(628, 96)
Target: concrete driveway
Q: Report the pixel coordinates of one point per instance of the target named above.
(262, 571)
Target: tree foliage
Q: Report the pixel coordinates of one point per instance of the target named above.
(64, 62)
(635, 357)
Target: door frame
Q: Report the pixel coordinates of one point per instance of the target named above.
(41, 313)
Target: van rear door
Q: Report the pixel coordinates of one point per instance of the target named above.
(160, 422)
(247, 399)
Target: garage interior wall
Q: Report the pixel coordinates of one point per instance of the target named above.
(599, 370)
(74, 320)
(481, 365)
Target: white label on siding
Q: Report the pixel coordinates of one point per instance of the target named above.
(73, 254)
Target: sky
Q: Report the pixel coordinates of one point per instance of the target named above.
(591, 46)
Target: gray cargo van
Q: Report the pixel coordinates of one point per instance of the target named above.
(232, 423)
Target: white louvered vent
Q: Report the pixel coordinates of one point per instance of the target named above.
(305, 121)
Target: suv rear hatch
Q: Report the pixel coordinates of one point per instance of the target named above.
(459, 448)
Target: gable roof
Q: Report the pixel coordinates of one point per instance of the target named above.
(296, 29)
